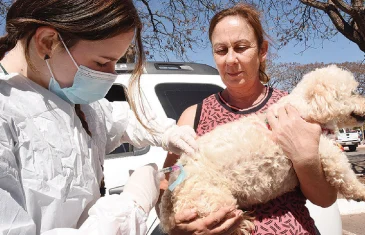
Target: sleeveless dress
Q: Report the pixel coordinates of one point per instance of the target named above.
(286, 214)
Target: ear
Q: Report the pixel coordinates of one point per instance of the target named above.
(263, 50)
(45, 39)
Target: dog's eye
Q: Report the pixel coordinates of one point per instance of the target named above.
(354, 93)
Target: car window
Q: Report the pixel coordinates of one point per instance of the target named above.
(176, 97)
(117, 93)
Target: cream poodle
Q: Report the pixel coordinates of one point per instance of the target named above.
(239, 164)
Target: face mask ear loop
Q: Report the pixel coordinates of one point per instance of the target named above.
(68, 51)
(49, 67)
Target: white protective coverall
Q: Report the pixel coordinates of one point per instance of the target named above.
(50, 168)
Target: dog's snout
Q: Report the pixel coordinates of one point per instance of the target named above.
(359, 118)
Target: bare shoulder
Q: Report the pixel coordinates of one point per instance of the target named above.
(188, 116)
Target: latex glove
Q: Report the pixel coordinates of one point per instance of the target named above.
(144, 186)
(179, 140)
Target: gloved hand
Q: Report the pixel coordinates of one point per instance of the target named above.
(179, 140)
(144, 186)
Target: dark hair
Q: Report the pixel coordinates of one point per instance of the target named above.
(252, 16)
(75, 20)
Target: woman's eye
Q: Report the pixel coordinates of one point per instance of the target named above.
(221, 51)
(240, 49)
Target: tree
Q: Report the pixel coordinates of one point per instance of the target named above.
(287, 75)
(180, 25)
(175, 26)
(4, 5)
(305, 20)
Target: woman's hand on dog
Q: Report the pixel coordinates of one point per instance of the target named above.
(298, 138)
(224, 221)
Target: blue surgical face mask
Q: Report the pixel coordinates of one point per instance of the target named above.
(88, 85)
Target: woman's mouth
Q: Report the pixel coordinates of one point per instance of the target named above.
(234, 74)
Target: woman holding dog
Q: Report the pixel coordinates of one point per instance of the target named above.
(239, 51)
(57, 64)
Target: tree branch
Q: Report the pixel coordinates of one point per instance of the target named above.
(357, 3)
(351, 32)
(343, 6)
(319, 5)
(343, 27)
(151, 15)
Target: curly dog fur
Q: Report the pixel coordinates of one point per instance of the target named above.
(239, 164)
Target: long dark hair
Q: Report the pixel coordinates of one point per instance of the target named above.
(75, 20)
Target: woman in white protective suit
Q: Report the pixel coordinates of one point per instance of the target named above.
(57, 64)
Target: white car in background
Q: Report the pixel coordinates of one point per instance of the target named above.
(348, 138)
(169, 88)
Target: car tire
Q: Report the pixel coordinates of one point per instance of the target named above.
(352, 148)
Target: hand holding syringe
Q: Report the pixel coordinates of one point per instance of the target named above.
(119, 189)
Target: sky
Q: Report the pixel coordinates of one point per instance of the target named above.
(338, 50)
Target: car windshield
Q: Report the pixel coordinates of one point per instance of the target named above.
(176, 97)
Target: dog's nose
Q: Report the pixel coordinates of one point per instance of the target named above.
(358, 118)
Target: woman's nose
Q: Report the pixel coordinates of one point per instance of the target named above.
(231, 57)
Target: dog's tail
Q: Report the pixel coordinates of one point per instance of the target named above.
(338, 171)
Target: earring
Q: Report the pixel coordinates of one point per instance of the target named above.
(46, 57)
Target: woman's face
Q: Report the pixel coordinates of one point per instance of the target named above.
(236, 52)
(97, 55)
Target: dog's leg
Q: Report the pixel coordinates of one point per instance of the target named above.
(167, 216)
(338, 171)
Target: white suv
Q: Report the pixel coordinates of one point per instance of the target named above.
(169, 88)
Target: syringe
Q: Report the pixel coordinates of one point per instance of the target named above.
(170, 169)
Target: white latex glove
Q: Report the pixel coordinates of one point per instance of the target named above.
(144, 186)
(179, 140)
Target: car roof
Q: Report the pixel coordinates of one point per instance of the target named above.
(155, 67)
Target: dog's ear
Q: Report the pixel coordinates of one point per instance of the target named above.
(358, 104)
(326, 92)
